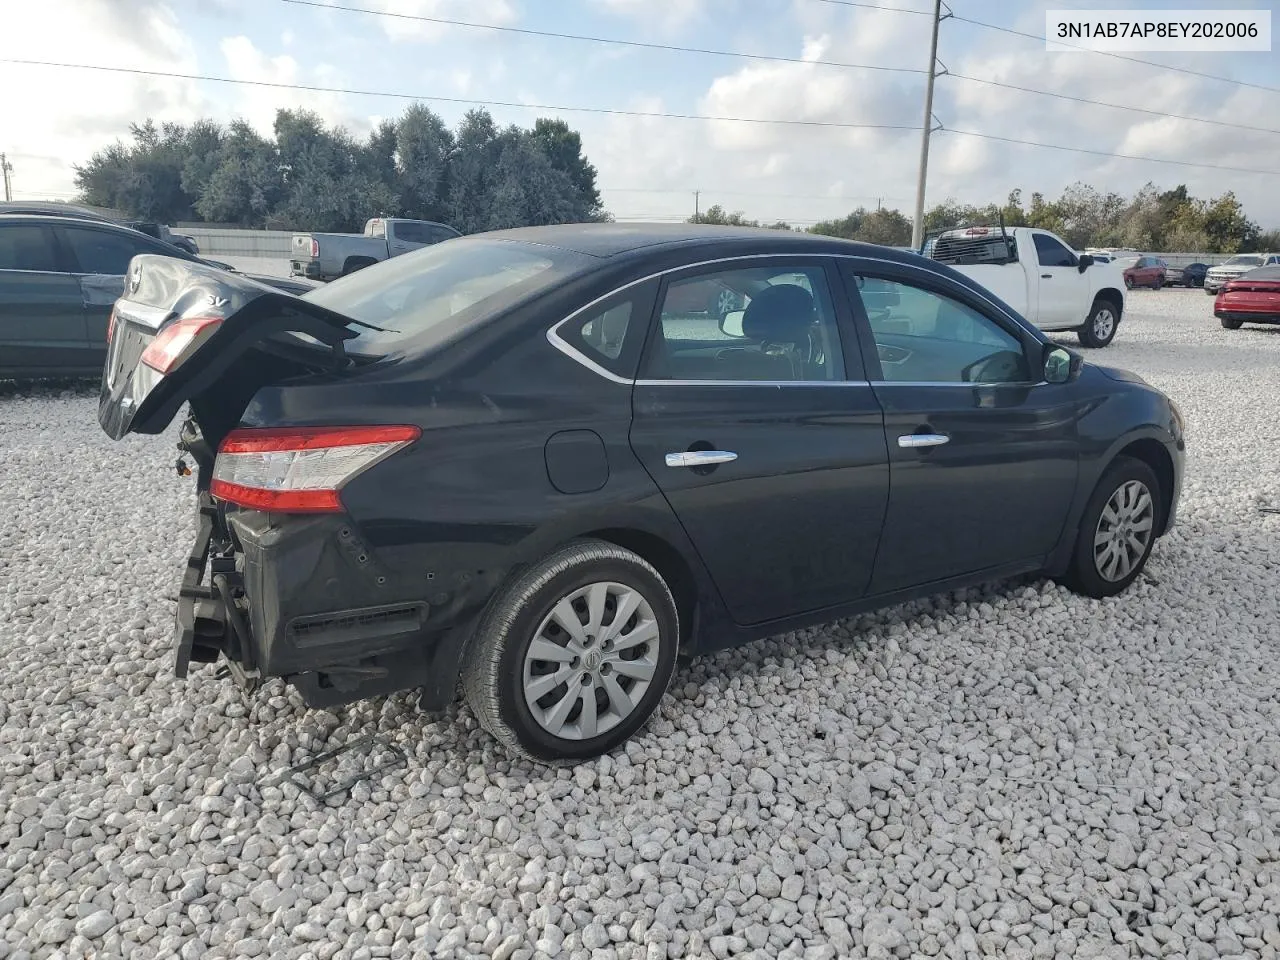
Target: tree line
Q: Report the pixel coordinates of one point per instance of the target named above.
(479, 176)
(312, 177)
(1152, 219)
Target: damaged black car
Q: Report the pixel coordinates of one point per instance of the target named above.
(531, 463)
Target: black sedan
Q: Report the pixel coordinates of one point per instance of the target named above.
(59, 276)
(508, 459)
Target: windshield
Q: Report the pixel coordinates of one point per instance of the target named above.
(1244, 261)
(440, 290)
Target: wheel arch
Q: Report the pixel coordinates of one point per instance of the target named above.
(1153, 453)
(354, 263)
(1112, 296)
(670, 563)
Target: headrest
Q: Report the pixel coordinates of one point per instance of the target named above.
(781, 313)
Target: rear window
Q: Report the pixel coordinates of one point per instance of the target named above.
(439, 291)
(975, 245)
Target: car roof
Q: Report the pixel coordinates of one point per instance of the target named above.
(62, 218)
(606, 240)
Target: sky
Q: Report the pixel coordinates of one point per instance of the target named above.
(650, 167)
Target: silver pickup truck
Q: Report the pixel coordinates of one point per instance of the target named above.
(326, 256)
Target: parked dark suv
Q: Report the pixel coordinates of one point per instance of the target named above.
(530, 460)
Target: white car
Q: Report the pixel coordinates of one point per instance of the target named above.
(1237, 266)
(1040, 276)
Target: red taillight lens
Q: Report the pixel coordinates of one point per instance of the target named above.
(174, 343)
(315, 247)
(299, 470)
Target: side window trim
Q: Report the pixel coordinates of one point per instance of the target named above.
(642, 294)
(853, 267)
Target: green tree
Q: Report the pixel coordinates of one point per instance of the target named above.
(718, 216)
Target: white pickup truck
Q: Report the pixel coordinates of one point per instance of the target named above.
(1036, 273)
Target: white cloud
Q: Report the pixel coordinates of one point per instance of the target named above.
(666, 15)
(67, 114)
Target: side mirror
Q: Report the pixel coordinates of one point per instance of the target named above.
(1060, 364)
(731, 323)
(1086, 261)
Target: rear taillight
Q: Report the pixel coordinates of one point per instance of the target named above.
(111, 324)
(315, 247)
(299, 470)
(177, 342)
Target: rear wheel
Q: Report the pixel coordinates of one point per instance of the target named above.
(1231, 324)
(571, 658)
(1159, 283)
(1100, 329)
(1117, 530)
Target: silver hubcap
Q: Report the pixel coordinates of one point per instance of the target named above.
(1124, 530)
(591, 661)
(725, 302)
(1104, 321)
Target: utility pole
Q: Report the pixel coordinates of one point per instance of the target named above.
(917, 229)
(697, 209)
(6, 168)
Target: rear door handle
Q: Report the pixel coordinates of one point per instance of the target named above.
(923, 440)
(699, 458)
(1046, 276)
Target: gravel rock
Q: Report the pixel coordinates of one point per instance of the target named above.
(1008, 771)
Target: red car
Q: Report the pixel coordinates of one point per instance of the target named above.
(1251, 298)
(1144, 272)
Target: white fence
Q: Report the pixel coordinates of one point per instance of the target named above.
(230, 242)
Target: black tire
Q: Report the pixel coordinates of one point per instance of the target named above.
(1128, 283)
(494, 670)
(1100, 327)
(1212, 293)
(1084, 575)
(1159, 283)
(1230, 324)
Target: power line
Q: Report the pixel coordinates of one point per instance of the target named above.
(603, 110)
(707, 51)
(1105, 153)
(351, 91)
(872, 6)
(526, 31)
(1108, 53)
(1103, 103)
(752, 193)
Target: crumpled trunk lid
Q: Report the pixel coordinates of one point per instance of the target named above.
(243, 316)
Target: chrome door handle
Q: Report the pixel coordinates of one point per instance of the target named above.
(922, 440)
(700, 458)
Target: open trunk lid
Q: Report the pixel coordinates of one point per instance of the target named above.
(181, 325)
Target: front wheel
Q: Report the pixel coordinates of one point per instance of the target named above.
(1230, 324)
(571, 658)
(1117, 530)
(1100, 329)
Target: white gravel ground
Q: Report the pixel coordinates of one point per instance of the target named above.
(1018, 772)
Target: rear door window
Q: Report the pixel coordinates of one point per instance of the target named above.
(27, 246)
(100, 251)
